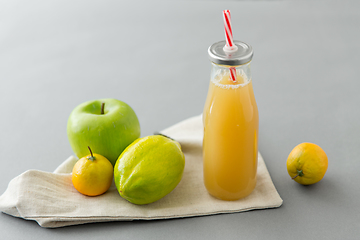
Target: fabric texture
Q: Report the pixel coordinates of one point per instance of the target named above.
(52, 201)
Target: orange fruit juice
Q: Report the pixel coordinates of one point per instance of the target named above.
(230, 148)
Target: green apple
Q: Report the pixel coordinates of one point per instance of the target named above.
(108, 126)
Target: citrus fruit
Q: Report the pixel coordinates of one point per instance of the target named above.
(149, 169)
(307, 163)
(92, 175)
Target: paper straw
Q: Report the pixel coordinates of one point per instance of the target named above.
(229, 40)
(233, 74)
(227, 28)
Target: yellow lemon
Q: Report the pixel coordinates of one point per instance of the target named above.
(92, 175)
(307, 163)
(149, 169)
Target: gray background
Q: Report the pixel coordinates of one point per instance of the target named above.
(55, 55)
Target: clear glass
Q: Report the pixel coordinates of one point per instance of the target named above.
(231, 125)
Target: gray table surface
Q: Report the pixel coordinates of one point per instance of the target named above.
(153, 55)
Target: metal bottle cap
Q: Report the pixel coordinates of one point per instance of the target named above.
(243, 54)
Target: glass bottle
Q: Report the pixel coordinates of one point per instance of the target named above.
(231, 124)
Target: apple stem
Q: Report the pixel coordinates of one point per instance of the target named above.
(102, 108)
(92, 158)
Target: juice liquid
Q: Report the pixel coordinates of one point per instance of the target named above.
(231, 124)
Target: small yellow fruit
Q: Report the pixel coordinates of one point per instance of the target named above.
(307, 163)
(92, 175)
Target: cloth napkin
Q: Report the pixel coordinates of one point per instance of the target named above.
(51, 200)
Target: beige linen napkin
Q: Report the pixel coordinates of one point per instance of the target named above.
(52, 201)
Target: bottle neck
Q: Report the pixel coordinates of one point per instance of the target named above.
(232, 75)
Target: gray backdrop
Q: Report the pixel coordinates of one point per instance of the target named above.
(55, 55)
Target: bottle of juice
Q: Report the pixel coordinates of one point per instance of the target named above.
(231, 124)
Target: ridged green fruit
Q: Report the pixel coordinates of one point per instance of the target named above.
(149, 169)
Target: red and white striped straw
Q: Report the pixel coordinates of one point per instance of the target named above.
(229, 40)
(233, 74)
(228, 29)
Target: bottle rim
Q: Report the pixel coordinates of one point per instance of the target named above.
(242, 55)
